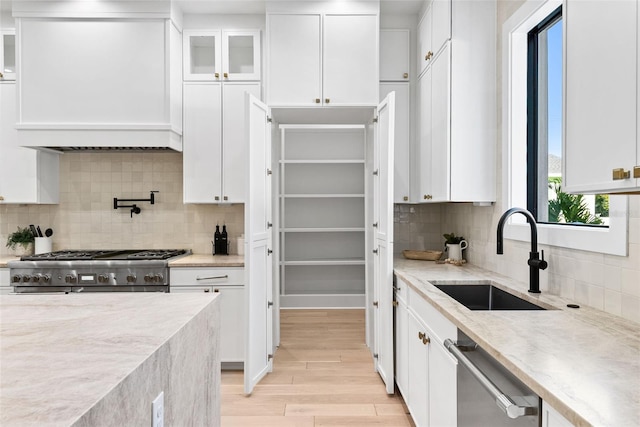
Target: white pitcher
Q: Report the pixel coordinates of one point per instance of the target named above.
(454, 250)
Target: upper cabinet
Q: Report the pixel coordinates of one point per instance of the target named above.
(394, 56)
(456, 106)
(434, 30)
(322, 60)
(601, 143)
(7, 55)
(215, 55)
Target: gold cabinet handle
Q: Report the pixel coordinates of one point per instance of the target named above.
(405, 75)
(636, 173)
(620, 173)
(317, 100)
(217, 75)
(226, 75)
(327, 100)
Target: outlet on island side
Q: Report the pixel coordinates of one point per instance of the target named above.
(157, 411)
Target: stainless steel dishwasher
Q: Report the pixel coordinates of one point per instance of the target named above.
(488, 394)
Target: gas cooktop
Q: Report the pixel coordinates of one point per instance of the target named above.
(107, 255)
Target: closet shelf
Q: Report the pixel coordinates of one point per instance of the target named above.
(321, 196)
(324, 262)
(323, 230)
(322, 162)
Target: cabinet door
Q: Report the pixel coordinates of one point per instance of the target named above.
(440, 125)
(443, 410)
(600, 105)
(424, 41)
(552, 418)
(424, 168)
(440, 24)
(402, 348)
(241, 55)
(232, 321)
(394, 56)
(293, 70)
(234, 146)
(402, 145)
(7, 55)
(418, 401)
(350, 60)
(202, 55)
(26, 175)
(202, 147)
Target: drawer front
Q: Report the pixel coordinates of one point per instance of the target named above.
(432, 318)
(4, 277)
(402, 289)
(207, 276)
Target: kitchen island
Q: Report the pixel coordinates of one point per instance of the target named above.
(102, 358)
(583, 362)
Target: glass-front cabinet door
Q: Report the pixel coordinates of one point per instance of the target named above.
(202, 55)
(8, 55)
(241, 55)
(221, 55)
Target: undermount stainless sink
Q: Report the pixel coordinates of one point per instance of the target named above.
(485, 296)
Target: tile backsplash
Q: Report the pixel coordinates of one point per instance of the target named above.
(85, 217)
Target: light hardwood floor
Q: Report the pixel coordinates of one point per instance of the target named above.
(323, 375)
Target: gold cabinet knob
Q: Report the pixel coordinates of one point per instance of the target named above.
(317, 100)
(405, 75)
(217, 197)
(426, 340)
(405, 198)
(226, 75)
(1, 76)
(620, 173)
(636, 173)
(395, 303)
(217, 75)
(225, 198)
(421, 335)
(428, 197)
(327, 100)
(1, 198)
(207, 290)
(216, 290)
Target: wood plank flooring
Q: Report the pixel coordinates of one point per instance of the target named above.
(323, 375)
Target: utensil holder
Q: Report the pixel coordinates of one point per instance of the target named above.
(42, 245)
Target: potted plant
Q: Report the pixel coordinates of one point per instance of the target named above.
(454, 246)
(21, 241)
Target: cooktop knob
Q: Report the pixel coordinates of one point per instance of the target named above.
(16, 278)
(131, 278)
(158, 278)
(103, 278)
(26, 278)
(70, 278)
(36, 278)
(148, 277)
(46, 278)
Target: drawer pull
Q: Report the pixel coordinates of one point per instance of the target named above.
(226, 276)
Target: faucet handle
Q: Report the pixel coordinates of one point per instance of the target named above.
(543, 264)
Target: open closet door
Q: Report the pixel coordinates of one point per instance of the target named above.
(383, 240)
(258, 240)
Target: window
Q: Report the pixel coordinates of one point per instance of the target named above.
(545, 198)
(532, 82)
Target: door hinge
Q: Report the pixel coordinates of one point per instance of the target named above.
(395, 303)
(269, 251)
(375, 172)
(269, 304)
(269, 120)
(375, 225)
(269, 357)
(375, 355)
(269, 172)
(375, 120)
(375, 303)
(375, 251)
(269, 225)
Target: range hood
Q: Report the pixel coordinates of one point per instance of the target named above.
(97, 80)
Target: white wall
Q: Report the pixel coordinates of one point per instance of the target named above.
(606, 282)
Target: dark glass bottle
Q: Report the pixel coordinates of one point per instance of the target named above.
(217, 236)
(224, 241)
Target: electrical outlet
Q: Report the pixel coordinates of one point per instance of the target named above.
(157, 411)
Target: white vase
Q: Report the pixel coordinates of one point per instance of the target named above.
(454, 250)
(21, 250)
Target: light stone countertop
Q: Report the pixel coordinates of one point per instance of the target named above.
(207, 260)
(4, 259)
(583, 362)
(61, 354)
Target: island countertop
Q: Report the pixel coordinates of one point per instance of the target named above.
(61, 355)
(583, 362)
(207, 260)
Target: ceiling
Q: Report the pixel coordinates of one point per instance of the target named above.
(258, 6)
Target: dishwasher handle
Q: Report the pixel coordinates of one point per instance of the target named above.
(504, 402)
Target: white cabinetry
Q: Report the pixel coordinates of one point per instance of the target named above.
(601, 144)
(430, 372)
(394, 55)
(216, 55)
(5, 285)
(26, 175)
(321, 205)
(229, 282)
(322, 59)
(215, 151)
(7, 55)
(434, 29)
(456, 114)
